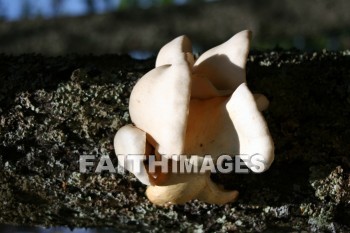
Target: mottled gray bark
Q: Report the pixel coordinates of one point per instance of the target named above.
(52, 110)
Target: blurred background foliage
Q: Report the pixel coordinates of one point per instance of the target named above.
(141, 27)
(30, 9)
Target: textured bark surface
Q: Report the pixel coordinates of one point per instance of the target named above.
(54, 109)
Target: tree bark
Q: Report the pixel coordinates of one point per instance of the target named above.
(55, 109)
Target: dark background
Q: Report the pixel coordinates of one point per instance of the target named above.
(55, 27)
